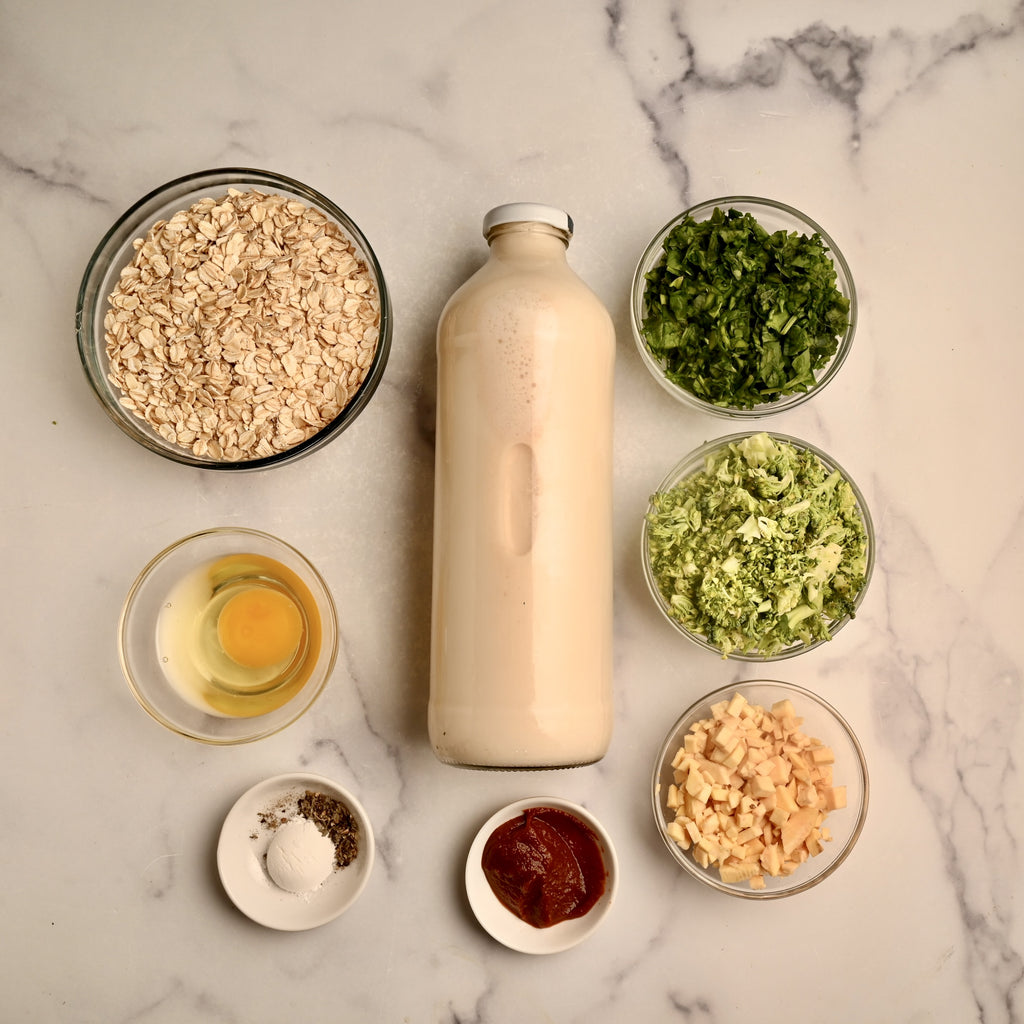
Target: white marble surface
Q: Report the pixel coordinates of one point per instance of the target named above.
(898, 126)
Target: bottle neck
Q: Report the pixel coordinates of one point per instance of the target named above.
(530, 240)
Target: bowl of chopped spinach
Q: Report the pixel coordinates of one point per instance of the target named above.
(743, 307)
(758, 547)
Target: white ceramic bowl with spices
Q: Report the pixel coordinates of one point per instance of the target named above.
(839, 831)
(248, 834)
(739, 610)
(194, 630)
(238, 334)
(706, 376)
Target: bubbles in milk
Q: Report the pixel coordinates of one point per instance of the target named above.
(519, 384)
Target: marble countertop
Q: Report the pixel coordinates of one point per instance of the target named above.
(897, 126)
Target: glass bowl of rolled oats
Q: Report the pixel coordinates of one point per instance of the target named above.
(234, 319)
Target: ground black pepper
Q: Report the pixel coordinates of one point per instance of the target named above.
(335, 821)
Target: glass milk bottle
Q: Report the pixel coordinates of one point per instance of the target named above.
(521, 645)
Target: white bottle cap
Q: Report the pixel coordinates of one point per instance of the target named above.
(518, 212)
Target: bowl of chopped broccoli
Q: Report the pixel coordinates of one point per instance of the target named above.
(743, 307)
(758, 547)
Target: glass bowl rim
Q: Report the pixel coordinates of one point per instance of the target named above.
(706, 876)
(329, 627)
(649, 259)
(136, 220)
(695, 458)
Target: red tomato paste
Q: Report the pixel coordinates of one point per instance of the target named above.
(545, 866)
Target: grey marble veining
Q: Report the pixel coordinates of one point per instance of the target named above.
(897, 126)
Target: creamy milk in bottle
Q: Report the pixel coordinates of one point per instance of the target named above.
(521, 657)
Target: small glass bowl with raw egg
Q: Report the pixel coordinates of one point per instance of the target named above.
(228, 635)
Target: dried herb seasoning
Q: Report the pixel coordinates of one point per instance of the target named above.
(335, 821)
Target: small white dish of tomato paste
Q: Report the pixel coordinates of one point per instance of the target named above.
(534, 910)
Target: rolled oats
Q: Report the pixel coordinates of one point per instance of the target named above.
(243, 325)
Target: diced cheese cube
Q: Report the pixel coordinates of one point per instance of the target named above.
(718, 774)
(736, 755)
(771, 859)
(737, 704)
(784, 797)
(780, 770)
(741, 872)
(760, 786)
(712, 848)
(725, 740)
(783, 709)
(796, 829)
(835, 798)
(695, 782)
(693, 743)
(755, 756)
(806, 795)
(677, 834)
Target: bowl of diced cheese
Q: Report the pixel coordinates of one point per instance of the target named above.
(760, 789)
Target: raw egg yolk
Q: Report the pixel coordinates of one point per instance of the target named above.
(259, 627)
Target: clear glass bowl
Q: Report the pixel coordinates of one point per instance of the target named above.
(772, 216)
(116, 251)
(821, 721)
(693, 464)
(138, 631)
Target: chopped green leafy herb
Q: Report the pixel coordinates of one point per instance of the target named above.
(762, 549)
(740, 317)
